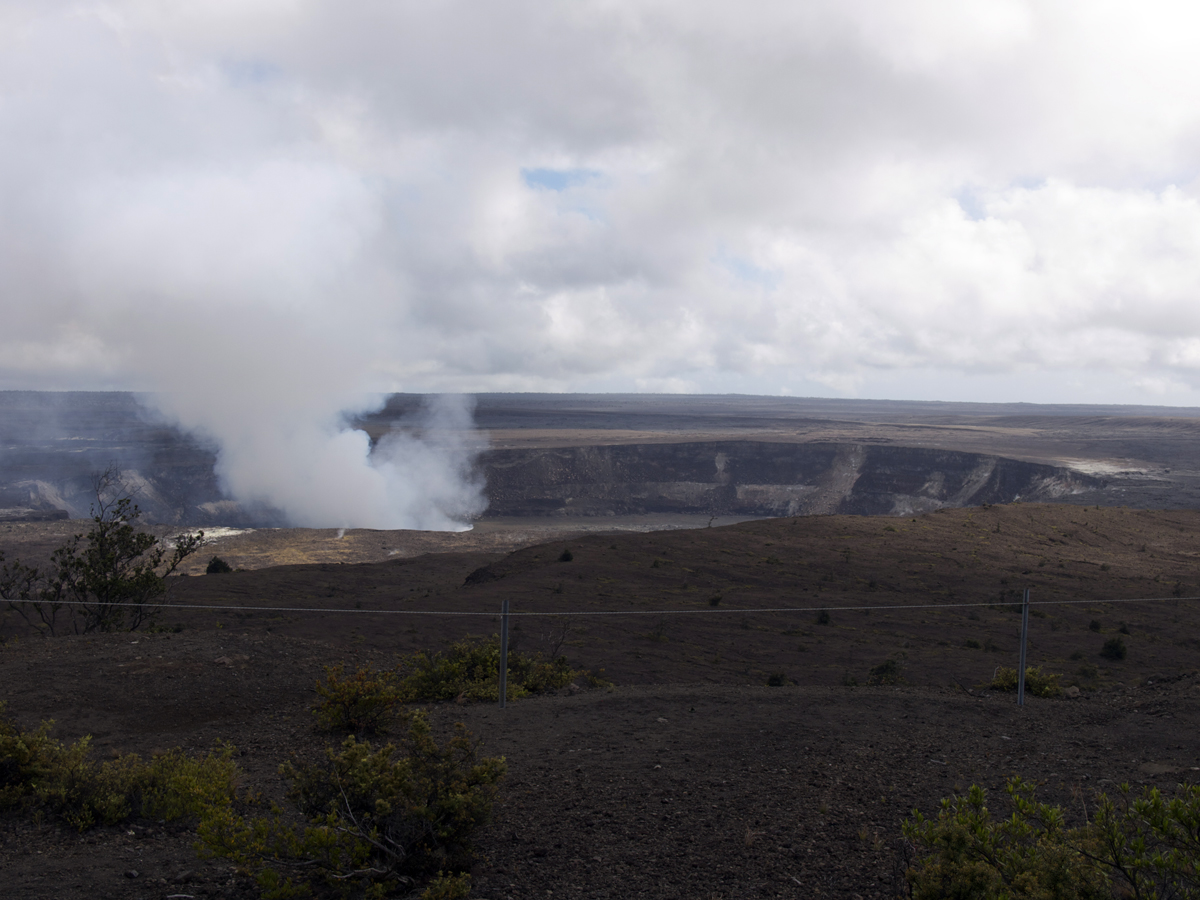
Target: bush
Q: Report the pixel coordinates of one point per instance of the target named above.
(110, 579)
(823, 617)
(776, 679)
(448, 887)
(40, 774)
(362, 702)
(470, 671)
(1133, 847)
(1037, 682)
(1114, 648)
(973, 644)
(887, 672)
(964, 853)
(217, 566)
(566, 555)
(374, 821)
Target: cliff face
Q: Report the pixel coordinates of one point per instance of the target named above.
(761, 478)
(53, 444)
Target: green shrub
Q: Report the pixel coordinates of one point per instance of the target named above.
(41, 774)
(1037, 682)
(175, 786)
(217, 566)
(964, 853)
(973, 644)
(374, 822)
(470, 671)
(566, 555)
(823, 617)
(1145, 847)
(448, 887)
(887, 672)
(362, 702)
(1114, 648)
(776, 679)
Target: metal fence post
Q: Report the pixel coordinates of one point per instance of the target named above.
(1024, 639)
(503, 652)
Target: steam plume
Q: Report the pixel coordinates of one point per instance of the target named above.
(322, 472)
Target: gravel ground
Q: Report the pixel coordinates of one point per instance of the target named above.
(689, 791)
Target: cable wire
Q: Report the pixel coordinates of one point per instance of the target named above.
(600, 612)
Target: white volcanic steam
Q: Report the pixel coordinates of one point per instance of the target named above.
(325, 473)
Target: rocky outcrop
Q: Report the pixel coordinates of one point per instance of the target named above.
(762, 478)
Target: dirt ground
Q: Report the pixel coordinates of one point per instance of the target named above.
(657, 791)
(690, 778)
(258, 548)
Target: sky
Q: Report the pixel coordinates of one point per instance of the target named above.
(303, 205)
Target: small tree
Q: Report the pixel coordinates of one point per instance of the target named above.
(217, 566)
(110, 579)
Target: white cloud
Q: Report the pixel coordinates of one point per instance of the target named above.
(321, 200)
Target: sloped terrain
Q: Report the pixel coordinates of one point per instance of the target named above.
(919, 589)
(653, 791)
(691, 777)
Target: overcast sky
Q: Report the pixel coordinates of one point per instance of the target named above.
(282, 200)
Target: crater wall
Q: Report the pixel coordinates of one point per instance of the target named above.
(52, 443)
(760, 478)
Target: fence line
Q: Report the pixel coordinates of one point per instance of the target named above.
(600, 612)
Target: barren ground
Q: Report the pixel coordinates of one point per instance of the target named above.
(690, 778)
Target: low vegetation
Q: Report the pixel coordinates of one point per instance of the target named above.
(469, 670)
(363, 702)
(1037, 682)
(1144, 846)
(364, 822)
(887, 672)
(366, 701)
(46, 779)
(372, 822)
(1114, 648)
